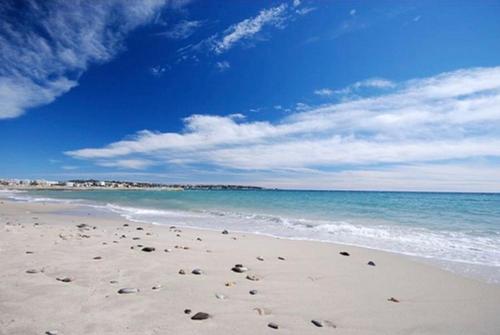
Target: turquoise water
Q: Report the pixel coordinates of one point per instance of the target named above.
(460, 230)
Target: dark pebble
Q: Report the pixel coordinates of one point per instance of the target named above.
(187, 311)
(253, 292)
(225, 232)
(148, 249)
(344, 253)
(97, 257)
(281, 258)
(200, 316)
(317, 323)
(371, 263)
(392, 299)
(272, 325)
(64, 279)
(139, 228)
(197, 272)
(182, 272)
(128, 290)
(198, 239)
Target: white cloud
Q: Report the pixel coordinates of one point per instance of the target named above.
(247, 28)
(134, 164)
(352, 12)
(453, 116)
(182, 30)
(223, 65)
(324, 92)
(44, 51)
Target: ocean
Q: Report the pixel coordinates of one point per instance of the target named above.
(456, 231)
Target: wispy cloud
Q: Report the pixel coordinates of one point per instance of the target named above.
(223, 66)
(46, 46)
(247, 28)
(376, 83)
(246, 31)
(449, 117)
(182, 30)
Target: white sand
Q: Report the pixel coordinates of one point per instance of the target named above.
(313, 282)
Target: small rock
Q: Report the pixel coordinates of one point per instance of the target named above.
(148, 249)
(125, 224)
(97, 257)
(344, 253)
(225, 232)
(30, 252)
(281, 258)
(51, 332)
(220, 296)
(260, 258)
(31, 271)
(64, 279)
(178, 235)
(136, 238)
(197, 272)
(262, 311)
(253, 278)
(139, 228)
(272, 325)
(198, 239)
(371, 263)
(113, 281)
(230, 283)
(149, 234)
(168, 250)
(317, 323)
(239, 269)
(128, 290)
(182, 272)
(253, 292)
(187, 311)
(392, 299)
(83, 226)
(156, 287)
(200, 316)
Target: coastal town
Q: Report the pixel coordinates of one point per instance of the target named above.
(112, 184)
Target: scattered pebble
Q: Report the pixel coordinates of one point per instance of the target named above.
(64, 279)
(272, 325)
(371, 263)
(156, 287)
(281, 258)
(317, 323)
(187, 311)
(125, 224)
(128, 290)
(220, 296)
(31, 271)
(260, 258)
(344, 253)
(392, 299)
(200, 316)
(113, 281)
(168, 250)
(230, 283)
(239, 268)
(136, 238)
(253, 278)
(97, 257)
(198, 239)
(182, 272)
(225, 232)
(139, 228)
(253, 292)
(51, 332)
(262, 311)
(148, 249)
(197, 272)
(30, 252)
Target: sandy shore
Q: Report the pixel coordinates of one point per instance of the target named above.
(312, 282)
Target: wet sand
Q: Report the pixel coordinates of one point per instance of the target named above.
(77, 273)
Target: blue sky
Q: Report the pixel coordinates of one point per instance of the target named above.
(297, 94)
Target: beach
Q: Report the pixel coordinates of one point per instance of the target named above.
(61, 273)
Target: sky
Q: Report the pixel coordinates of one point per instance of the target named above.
(348, 95)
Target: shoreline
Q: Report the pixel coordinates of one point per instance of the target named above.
(312, 282)
(477, 271)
